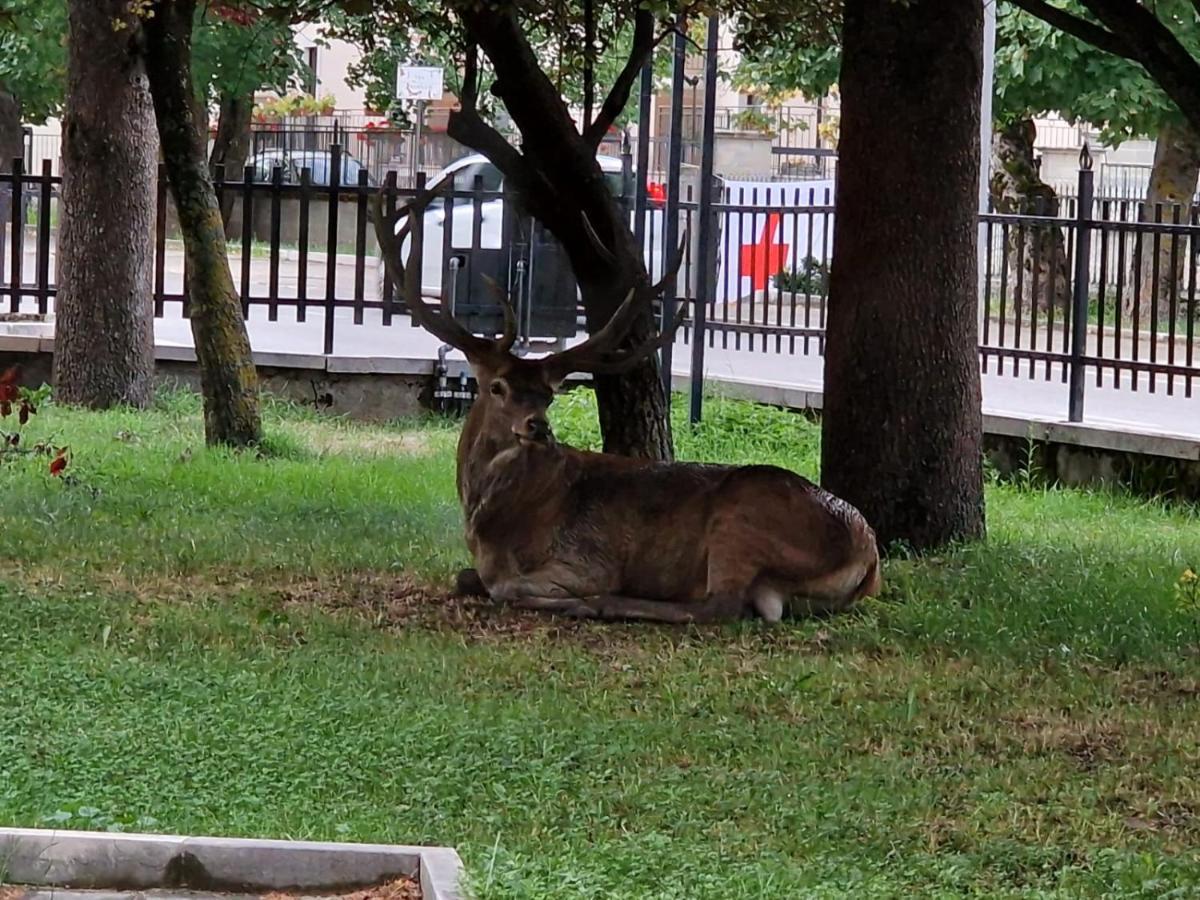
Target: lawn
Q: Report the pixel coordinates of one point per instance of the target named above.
(202, 642)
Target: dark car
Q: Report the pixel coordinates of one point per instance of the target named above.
(318, 162)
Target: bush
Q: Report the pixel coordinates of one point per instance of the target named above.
(811, 278)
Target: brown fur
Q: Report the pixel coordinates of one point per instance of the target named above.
(590, 534)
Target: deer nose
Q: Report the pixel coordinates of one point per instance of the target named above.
(534, 428)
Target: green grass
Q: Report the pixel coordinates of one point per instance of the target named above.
(204, 642)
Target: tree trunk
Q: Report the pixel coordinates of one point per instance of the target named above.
(1172, 183)
(104, 329)
(902, 423)
(231, 147)
(227, 375)
(1037, 258)
(12, 141)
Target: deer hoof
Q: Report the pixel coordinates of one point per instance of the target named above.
(469, 584)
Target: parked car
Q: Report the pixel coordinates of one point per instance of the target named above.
(318, 162)
(464, 172)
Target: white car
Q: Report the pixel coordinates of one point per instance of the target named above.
(465, 171)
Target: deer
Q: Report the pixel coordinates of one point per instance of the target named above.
(601, 536)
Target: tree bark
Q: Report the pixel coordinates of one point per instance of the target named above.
(1172, 183)
(560, 182)
(228, 378)
(1037, 257)
(231, 147)
(12, 141)
(902, 423)
(104, 314)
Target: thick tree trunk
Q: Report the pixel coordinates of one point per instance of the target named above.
(12, 141)
(104, 331)
(1172, 183)
(902, 424)
(1037, 256)
(231, 146)
(227, 375)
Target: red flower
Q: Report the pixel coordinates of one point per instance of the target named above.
(5, 409)
(27, 410)
(9, 391)
(59, 462)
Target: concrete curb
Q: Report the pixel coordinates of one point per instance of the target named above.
(100, 860)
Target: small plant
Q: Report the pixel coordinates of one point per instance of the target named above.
(293, 105)
(21, 403)
(1187, 597)
(754, 120)
(812, 277)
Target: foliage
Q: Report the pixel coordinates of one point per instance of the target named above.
(21, 404)
(1012, 719)
(293, 105)
(234, 51)
(33, 57)
(812, 277)
(752, 119)
(1038, 70)
(425, 35)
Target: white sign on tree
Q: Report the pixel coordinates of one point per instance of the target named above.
(419, 83)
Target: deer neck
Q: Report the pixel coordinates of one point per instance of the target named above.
(486, 447)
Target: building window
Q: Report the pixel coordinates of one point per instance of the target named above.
(310, 78)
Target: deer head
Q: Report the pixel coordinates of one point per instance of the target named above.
(514, 392)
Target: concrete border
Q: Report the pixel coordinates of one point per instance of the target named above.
(101, 860)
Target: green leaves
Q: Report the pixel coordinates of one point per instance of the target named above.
(1038, 68)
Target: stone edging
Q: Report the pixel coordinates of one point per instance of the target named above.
(81, 859)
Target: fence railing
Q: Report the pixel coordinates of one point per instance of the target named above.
(1092, 291)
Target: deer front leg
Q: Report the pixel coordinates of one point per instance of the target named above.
(716, 608)
(540, 591)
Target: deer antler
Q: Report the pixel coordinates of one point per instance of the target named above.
(506, 341)
(598, 354)
(407, 278)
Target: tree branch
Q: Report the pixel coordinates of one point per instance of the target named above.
(644, 43)
(1088, 32)
(1155, 46)
(468, 128)
(589, 62)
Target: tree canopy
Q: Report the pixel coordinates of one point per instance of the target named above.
(236, 50)
(1039, 70)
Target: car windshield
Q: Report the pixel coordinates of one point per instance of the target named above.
(318, 163)
(464, 179)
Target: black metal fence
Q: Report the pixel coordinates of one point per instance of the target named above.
(1092, 291)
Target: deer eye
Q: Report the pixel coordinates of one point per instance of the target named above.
(497, 388)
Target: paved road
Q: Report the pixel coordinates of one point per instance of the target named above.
(1165, 409)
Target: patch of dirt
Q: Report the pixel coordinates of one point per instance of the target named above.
(1157, 684)
(1167, 817)
(403, 602)
(400, 889)
(1089, 744)
(322, 439)
(12, 892)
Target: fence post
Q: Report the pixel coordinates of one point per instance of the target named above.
(706, 283)
(671, 213)
(1079, 296)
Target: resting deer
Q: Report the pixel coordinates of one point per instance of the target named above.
(604, 536)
